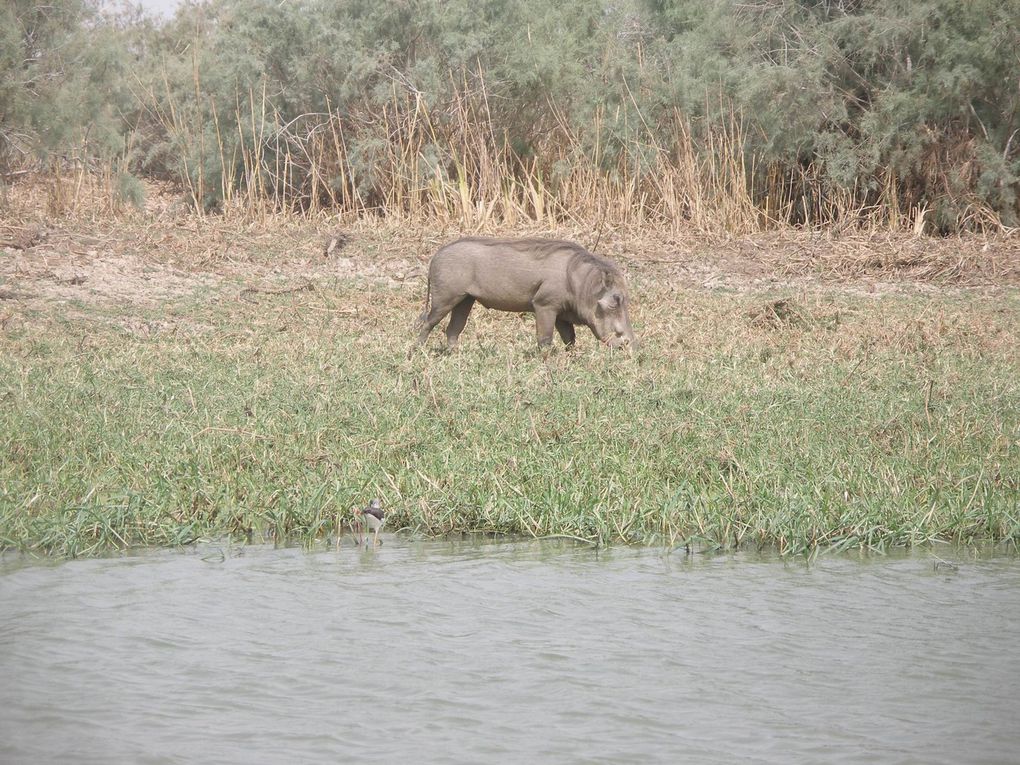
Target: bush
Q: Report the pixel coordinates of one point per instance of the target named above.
(830, 110)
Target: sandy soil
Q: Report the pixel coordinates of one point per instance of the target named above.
(143, 259)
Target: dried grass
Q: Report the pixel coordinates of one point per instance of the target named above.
(452, 165)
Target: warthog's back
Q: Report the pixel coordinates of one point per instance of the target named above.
(504, 274)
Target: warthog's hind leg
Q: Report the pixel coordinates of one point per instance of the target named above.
(434, 316)
(458, 318)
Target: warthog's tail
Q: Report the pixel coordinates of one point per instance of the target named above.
(428, 303)
(421, 319)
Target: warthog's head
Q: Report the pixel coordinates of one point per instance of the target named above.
(612, 322)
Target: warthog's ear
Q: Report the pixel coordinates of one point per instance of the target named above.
(610, 301)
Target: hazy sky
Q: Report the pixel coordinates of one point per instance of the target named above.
(162, 7)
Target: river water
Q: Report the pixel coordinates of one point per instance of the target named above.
(481, 652)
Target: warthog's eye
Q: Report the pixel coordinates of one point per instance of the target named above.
(610, 301)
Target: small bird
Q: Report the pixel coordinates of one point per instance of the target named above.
(372, 516)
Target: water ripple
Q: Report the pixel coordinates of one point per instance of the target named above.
(466, 652)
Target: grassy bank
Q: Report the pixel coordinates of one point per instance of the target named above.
(794, 419)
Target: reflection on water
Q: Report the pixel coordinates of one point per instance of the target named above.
(467, 652)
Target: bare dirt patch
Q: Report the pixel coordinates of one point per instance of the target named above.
(145, 263)
(873, 263)
(145, 258)
(74, 266)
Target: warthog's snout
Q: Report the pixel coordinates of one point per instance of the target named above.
(622, 340)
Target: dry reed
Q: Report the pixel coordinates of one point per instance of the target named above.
(453, 164)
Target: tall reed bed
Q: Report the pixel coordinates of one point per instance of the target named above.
(456, 164)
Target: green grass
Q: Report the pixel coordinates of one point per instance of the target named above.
(863, 422)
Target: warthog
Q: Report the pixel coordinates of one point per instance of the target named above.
(560, 282)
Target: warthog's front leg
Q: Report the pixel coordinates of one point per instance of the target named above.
(566, 330)
(545, 320)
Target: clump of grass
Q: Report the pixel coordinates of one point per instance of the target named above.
(776, 314)
(898, 424)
